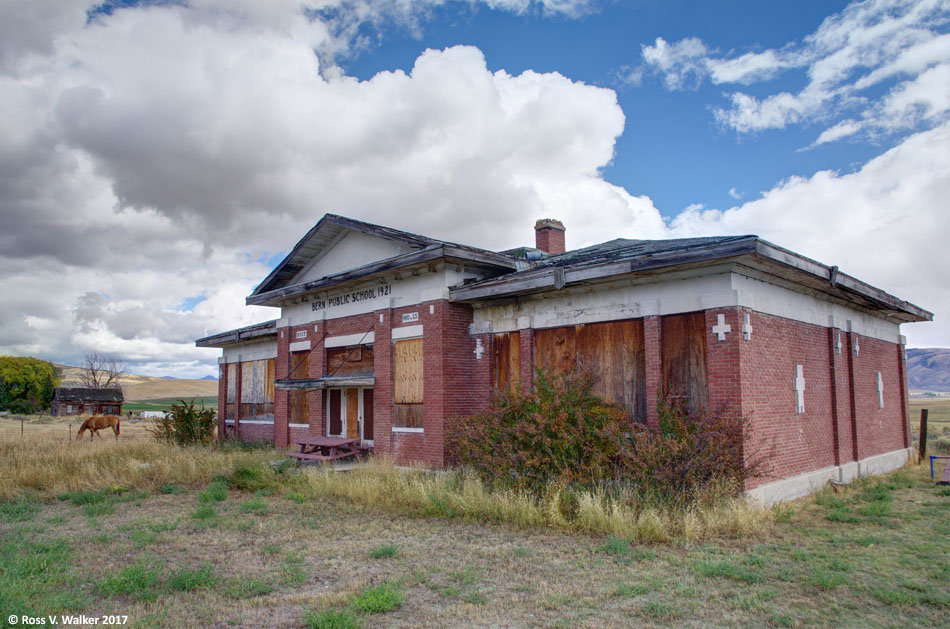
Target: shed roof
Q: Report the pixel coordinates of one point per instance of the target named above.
(87, 394)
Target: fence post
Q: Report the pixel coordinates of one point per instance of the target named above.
(923, 434)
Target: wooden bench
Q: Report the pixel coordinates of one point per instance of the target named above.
(304, 456)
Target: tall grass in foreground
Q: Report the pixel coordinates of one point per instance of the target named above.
(49, 468)
(459, 495)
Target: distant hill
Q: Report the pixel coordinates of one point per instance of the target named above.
(209, 378)
(136, 387)
(928, 369)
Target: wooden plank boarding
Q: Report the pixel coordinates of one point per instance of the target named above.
(359, 361)
(612, 350)
(506, 361)
(683, 354)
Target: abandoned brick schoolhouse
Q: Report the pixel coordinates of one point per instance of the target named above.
(386, 336)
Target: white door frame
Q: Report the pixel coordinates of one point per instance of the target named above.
(343, 417)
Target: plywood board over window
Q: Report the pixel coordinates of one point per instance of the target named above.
(506, 361)
(683, 353)
(408, 383)
(299, 406)
(232, 391)
(611, 350)
(257, 389)
(350, 361)
(299, 365)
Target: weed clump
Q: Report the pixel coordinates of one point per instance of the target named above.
(561, 435)
(186, 425)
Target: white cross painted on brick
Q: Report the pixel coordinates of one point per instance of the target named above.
(746, 327)
(838, 344)
(880, 391)
(479, 349)
(721, 328)
(799, 389)
(857, 348)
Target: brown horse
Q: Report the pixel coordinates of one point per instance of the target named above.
(96, 423)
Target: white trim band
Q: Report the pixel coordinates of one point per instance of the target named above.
(407, 429)
(300, 346)
(350, 339)
(251, 421)
(407, 332)
(298, 425)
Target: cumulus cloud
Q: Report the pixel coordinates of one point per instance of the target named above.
(899, 47)
(162, 152)
(882, 223)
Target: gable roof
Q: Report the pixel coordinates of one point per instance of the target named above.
(277, 285)
(84, 394)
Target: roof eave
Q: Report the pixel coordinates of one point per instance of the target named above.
(452, 253)
(547, 278)
(256, 331)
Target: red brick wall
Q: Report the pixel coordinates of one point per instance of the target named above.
(653, 364)
(823, 435)
(879, 429)
(256, 432)
(793, 442)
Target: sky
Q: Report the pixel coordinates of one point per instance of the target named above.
(157, 159)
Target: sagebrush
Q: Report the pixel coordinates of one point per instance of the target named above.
(560, 433)
(186, 425)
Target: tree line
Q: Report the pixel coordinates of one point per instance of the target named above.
(27, 384)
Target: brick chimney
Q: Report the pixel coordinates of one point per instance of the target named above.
(549, 235)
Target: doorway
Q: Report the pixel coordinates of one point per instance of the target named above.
(350, 414)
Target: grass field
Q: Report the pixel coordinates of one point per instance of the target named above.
(196, 538)
(165, 404)
(938, 423)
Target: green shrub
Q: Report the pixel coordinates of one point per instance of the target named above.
(384, 551)
(378, 599)
(186, 424)
(187, 579)
(560, 433)
(332, 619)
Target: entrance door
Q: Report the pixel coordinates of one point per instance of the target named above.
(350, 414)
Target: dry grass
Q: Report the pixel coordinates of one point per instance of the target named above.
(454, 495)
(161, 388)
(271, 568)
(44, 464)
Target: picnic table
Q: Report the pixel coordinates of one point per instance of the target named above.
(327, 449)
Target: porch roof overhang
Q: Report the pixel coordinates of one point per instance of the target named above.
(316, 384)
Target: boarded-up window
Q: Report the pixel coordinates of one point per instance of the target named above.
(612, 350)
(299, 406)
(257, 389)
(299, 365)
(350, 361)
(232, 391)
(506, 361)
(683, 352)
(407, 383)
